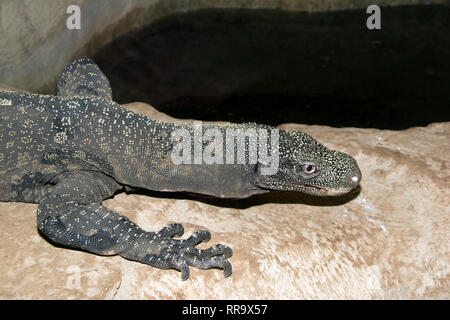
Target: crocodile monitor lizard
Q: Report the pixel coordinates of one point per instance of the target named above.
(71, 151)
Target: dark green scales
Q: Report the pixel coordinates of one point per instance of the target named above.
(71, 151)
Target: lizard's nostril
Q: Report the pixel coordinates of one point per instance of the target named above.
(355, 179)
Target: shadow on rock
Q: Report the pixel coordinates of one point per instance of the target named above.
(282, 197)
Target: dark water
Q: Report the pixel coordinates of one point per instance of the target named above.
(276, 67)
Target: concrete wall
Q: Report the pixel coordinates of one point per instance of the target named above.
(36, 44)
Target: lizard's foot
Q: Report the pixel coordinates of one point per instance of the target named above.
(77, 219)
(180, 254)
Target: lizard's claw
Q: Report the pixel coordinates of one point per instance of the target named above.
(180, 254)
(184, 271)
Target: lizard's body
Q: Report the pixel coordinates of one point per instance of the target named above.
(70, 151)
(93, 134)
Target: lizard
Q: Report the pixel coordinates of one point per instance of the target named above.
(70, 151)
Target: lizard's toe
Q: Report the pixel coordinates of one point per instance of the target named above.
(217, 262)
(172, 230)
(216, 250)
(227, 269)
(220, 249)
(198, 237)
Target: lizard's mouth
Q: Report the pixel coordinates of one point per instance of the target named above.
(320, 189)
(325, 191)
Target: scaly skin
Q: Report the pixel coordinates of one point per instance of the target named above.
(71, 151)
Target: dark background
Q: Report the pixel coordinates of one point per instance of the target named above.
(275, 67)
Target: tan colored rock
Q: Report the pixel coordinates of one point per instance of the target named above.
(32, 268)
(390, 241)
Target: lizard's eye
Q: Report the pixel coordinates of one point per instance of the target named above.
(309, 168)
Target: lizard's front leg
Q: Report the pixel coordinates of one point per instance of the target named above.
(71, 214)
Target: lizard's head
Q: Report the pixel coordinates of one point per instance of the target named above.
(306, 165)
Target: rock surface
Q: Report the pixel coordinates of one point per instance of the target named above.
(387, 241)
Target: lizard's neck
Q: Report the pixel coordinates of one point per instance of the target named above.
(166, 157)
